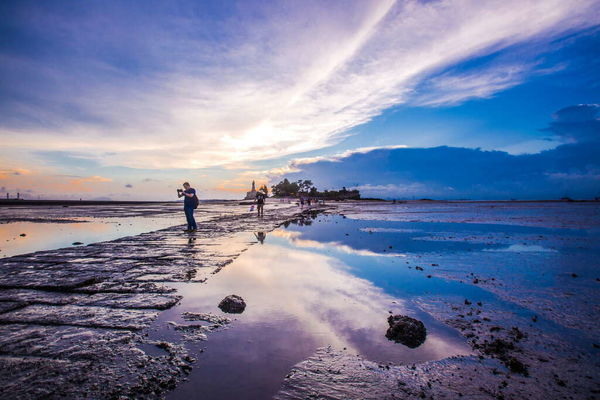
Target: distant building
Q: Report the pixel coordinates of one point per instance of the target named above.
(251, 195)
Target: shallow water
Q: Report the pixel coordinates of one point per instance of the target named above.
(52, 235)
(55, 227)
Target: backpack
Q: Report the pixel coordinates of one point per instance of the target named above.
(196, 201)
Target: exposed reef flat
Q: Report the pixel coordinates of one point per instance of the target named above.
(517, 282)
(72, 320)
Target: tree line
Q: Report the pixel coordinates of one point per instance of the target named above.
(305, 187)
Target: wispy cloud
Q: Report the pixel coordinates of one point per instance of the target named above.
(188, 89)
(450, 89)
(90, 179)
(5, 173)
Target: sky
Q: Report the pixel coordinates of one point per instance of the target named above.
(465, 99)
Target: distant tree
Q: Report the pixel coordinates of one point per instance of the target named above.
(285, 188)
(306, 185)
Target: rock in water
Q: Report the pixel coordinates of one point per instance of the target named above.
(232, 304)
(406, 330)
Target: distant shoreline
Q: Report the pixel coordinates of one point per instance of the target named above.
(15, 202)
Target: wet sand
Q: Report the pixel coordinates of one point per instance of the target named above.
(508, 293)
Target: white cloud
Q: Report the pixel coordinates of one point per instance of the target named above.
(295, 81)
(337, 157)
(449, 89)
(406, 189)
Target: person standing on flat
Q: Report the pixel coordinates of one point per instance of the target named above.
(190, 203)
(260, 203)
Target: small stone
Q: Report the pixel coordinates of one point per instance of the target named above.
(232, 304)
(516, 366)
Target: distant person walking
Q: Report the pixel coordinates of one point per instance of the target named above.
(260, 203)
(190, 203)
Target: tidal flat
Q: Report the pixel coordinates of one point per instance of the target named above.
(508, 293)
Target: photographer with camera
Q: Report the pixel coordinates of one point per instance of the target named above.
(190, 203)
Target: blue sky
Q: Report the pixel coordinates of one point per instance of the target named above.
(125, 100)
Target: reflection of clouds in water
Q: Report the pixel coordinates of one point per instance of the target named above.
(330, 304)
(53, 235)
(523, 248)
(45, 235)
(389, 230)
(294, 238)
(317, 291)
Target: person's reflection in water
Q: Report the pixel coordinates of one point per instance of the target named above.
(260, 236)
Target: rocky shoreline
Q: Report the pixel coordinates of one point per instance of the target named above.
(72, 320)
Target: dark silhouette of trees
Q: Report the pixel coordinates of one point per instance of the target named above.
(305, 187)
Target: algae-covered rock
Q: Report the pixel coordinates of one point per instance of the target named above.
(406, 330)
(232, 304)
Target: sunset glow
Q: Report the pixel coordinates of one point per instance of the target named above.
(223, 93)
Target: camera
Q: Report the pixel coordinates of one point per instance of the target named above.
(179, 192)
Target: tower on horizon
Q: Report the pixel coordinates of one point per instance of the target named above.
(251, 195)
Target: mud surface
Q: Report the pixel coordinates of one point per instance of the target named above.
(529, 303)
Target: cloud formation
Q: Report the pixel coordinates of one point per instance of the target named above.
(571, 169)
(578, 123)
(188, 86)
